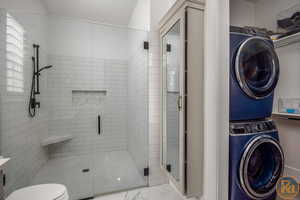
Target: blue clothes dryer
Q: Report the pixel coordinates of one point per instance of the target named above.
(256, 160)
(254, 73)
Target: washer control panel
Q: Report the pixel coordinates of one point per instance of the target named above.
(252, 127)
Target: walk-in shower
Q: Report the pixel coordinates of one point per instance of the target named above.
(91, 132)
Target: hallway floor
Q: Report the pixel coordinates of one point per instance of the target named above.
(162, 192)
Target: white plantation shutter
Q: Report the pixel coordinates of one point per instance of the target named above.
(14, 55)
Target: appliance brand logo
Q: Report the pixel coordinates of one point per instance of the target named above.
(287, 188)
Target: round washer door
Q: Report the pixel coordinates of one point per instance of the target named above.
(257, 67)
(261, 166)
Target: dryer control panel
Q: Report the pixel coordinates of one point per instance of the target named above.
(252, 127)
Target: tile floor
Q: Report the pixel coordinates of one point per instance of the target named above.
(162, 192)
(108, 172)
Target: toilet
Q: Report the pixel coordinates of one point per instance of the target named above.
(41, 192)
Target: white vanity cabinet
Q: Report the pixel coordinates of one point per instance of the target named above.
(182, 51)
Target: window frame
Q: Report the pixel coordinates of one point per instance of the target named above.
(15, 55)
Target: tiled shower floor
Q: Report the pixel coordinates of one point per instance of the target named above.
(108, 172)
(163, 192)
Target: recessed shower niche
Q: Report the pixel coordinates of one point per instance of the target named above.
(88, 97)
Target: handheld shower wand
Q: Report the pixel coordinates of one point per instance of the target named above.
(35, 87)
(46, 67)
(32, 99)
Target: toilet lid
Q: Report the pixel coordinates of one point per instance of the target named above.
(40, 192)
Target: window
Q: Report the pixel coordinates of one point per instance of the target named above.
(14, 55)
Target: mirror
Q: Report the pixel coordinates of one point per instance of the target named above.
(172, 99)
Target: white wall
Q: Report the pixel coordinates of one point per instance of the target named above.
(31, 6)
(140, 18)
(261, 13)
(87, 39)
(266, 12)
(242, 13)
(21, 135)
(158, 10)
(216, 138)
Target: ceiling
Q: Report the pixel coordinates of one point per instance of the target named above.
(106, 11)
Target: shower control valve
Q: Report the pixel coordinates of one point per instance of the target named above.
(34, 103)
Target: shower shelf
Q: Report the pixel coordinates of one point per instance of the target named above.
(286, 115)
(288, 40)
(3, 161)
(56, 139)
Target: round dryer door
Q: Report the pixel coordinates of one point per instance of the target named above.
(261, 166)
(257, 67)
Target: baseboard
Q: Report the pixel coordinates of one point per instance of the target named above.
(182, 196)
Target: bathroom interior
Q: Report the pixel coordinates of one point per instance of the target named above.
(81, 100)
(83, 120)
(93, 96)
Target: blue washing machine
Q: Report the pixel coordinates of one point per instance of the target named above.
(256, 160)
(254, 74)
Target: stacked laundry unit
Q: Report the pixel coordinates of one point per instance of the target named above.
(256, 157)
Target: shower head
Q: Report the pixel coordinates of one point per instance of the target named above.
(47, 67)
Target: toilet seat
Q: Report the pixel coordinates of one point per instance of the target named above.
(41, 192)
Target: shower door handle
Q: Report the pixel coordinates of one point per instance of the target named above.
(179, 103)
(99, 125)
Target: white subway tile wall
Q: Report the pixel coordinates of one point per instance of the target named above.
(20, 135)
(87, 74)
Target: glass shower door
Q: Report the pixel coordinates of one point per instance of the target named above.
(120, 151)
